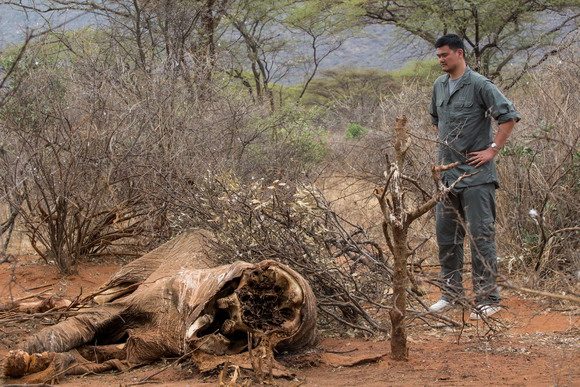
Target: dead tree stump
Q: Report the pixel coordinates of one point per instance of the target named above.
(397, 217)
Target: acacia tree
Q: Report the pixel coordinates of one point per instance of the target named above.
(177, 34)
(272, 32)
(325, 25)
(506, 38)
(257, 25)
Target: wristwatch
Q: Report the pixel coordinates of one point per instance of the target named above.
(494, 146)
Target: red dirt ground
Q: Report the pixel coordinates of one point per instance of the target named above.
(535, 344)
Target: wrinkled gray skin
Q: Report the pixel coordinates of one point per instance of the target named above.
(173, 300)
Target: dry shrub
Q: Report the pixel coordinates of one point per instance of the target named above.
(540, 170)
(365, 157)
(108, 149)
(293, 224)
(74, 205)
(364, 161)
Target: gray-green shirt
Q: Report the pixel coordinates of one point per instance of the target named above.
(453, 83)
(463, 119)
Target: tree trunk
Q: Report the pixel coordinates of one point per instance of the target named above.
(399, 350)
(209, 23)
(398, 216)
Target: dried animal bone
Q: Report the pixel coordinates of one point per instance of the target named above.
(171, 302)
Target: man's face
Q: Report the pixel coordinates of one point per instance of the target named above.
(449, 59)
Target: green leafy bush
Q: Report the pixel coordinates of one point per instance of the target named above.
(355, 131)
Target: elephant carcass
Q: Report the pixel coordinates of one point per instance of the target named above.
(171, 302)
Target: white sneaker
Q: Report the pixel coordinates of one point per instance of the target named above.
(440, 306)
(482, 311)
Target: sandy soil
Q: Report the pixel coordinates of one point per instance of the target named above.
(535, 344)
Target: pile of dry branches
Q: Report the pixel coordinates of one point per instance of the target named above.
(295, 225)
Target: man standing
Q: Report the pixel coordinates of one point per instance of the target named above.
(462, 106)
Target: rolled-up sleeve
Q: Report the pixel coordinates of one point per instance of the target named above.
(500, 108)
(433, 109)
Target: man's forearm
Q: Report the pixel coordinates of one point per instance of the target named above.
(478, 158)
(503, 132)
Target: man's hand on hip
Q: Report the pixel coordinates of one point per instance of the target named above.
(479, 158)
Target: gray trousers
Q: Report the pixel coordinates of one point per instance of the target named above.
(473, 207)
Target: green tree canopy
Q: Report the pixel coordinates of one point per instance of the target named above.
(504, 37)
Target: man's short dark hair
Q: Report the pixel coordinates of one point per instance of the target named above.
(453, 41)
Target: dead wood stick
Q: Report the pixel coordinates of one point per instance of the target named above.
(40, 287)
(444, 167)
(565, 297)
(440, 194)
(343, 321)
(567, 229)
(12, 305)
(341, 352)
(462, 325)
(432, 315)
(438, 265)
(31, 296)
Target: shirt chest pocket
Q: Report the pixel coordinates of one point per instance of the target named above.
(461, 104)
(462, 109)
